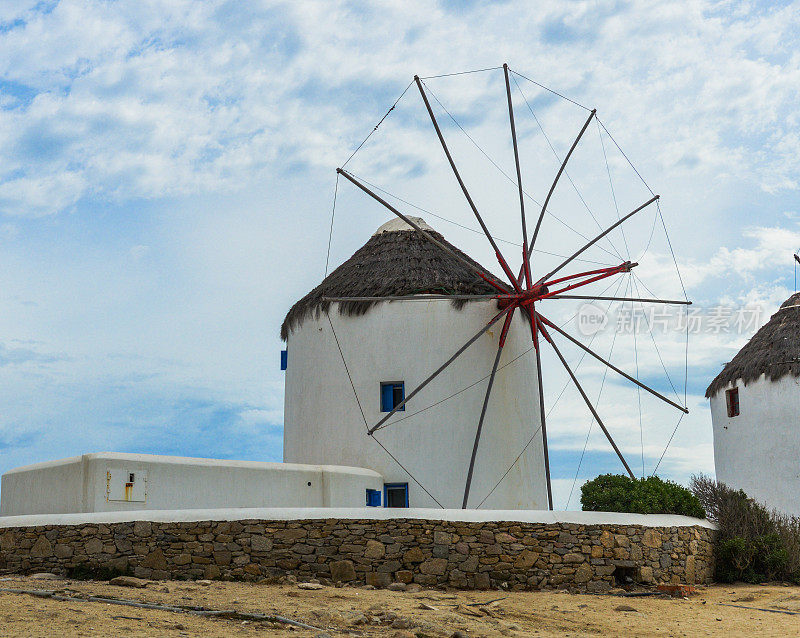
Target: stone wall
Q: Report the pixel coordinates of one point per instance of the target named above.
(429, 552)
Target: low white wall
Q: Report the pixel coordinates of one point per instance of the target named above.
(757, 451)
(362, 513)
(88, 483)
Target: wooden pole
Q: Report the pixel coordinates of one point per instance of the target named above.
(525, 256)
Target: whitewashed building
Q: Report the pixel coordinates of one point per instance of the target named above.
(755, 411)
(349, 363)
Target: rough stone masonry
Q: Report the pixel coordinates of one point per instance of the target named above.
(466, 555)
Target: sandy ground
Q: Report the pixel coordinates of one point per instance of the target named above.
(363, 612)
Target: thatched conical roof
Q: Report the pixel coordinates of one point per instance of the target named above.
(773, 351)
(397, 260)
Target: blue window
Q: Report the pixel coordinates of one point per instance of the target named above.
(392, 395)
(373, 498)
(395, 495)
(284, 359)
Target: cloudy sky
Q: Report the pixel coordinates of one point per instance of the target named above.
(167, 173)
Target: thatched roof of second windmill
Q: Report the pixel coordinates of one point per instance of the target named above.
(773, 351)
(397, 260)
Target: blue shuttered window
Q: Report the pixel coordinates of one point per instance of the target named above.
(392, 394)
(395, 495)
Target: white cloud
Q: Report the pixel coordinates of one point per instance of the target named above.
(161, 98)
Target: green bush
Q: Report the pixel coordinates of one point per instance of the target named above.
(652, 495)
(753, 544)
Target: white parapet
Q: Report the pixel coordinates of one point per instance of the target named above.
(110, 482)
(361, 513)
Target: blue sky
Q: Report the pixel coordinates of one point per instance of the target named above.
(167, 172)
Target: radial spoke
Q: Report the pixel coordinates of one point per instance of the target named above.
(500, 258)
(526, 266)
(441, 368)
(542, 417)
(640, 299)
(415, 226)
(611, 365)
(609, 272)
(585, 398)
(500, 346)
(600, 236)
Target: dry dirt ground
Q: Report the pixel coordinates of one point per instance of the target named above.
(357, 611)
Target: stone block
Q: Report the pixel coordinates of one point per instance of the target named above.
(42, 548)
(583, 574)
(389, 566)
(414, 555)
(342, 571)
(123, 544)
(128, 581)
(93, 546)
(375, 549)
(63, 551)
(652, 538)
(690, 571)
(404, 576)
(525, 560)
(379, 579)
(289, 534)
(260, 544)
(441, 538)
(155, 560)
(182, 559)
(8, 541)
(142, 528)
(435, 566)
(303, 549)
(440, 551)
(222, 558)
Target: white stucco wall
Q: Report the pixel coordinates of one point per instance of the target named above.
(406, 341)
(759, 450)
(81, 484)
